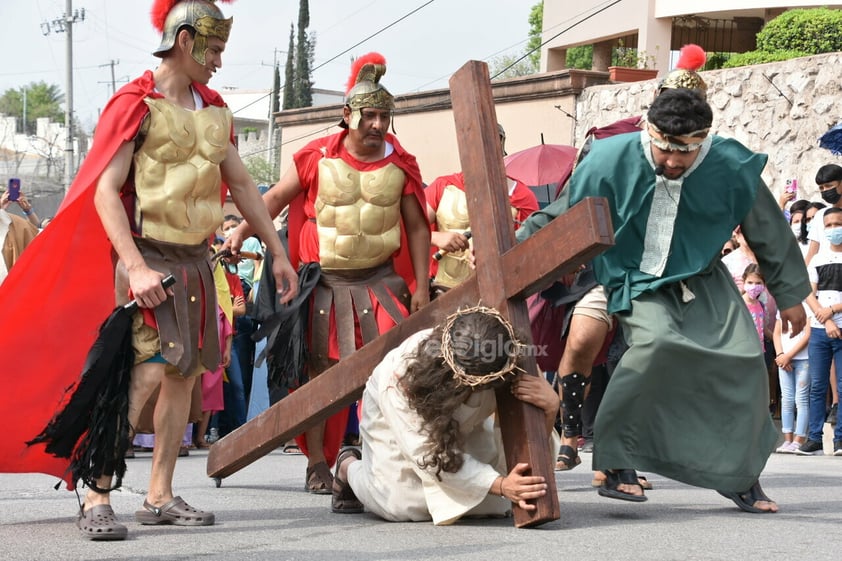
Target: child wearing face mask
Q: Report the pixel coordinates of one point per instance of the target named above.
(754, 285)
(825, 270)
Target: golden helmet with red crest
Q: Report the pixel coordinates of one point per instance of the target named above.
(691, 59)
(364, 88)
(202, 17)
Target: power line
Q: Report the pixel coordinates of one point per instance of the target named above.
(557, 35)
(355, 45)
(430, 105)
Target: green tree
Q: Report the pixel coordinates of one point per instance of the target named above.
(536, 29)
(812, 31)
(504, 66)
(514, 65)
(276, 88)
(42, 100)
(793, 34)
(580, 57)
(261, 170)
(303, 83)
(289, 71)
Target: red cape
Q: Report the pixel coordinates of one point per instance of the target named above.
(60, 291)
(331, 147)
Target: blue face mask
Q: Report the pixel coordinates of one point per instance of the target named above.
(834, 235)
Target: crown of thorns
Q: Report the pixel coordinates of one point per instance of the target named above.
(472, 380)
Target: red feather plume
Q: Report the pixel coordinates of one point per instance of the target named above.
(691, 57)
(359, 62)
(160, 10)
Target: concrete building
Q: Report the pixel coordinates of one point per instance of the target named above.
(656, 27)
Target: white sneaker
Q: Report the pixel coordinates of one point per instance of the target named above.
(786, 448)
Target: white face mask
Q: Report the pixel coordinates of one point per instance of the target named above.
(796, 229)
(227, 233)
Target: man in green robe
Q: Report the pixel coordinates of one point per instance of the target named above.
(689, 399)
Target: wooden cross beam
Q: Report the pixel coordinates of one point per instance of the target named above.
(507, 274)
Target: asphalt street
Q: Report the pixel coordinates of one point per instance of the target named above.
(263, 513)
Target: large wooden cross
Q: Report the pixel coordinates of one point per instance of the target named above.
(507, 273)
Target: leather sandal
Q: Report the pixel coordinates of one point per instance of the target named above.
(100, 523)
(616, 477)
(567, 459)
(599, 479)
(319, 480)
(344, 501)
(747, 499)
(176, 512)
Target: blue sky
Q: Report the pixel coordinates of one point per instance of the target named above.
(422, 51)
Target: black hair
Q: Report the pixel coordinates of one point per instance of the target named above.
(828, 173)
(831, 210)
(801, 236)
(232, 217)
(799, 206)
(680, 111)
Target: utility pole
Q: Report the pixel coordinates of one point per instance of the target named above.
(24, 111)
(114, 80)
(61, 25)
(274, 157)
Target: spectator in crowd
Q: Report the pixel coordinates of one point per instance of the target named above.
(754, 286)
(15, 235)
(242, 350)
(825, 269)
(792, 359)
(829, 181)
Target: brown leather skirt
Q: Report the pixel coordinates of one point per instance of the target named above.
(186, 334)
(349, 293)
(186, 321)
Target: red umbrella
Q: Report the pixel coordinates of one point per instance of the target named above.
(542, 164)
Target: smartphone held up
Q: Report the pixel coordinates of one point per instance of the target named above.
(14, 189)
(792, 186)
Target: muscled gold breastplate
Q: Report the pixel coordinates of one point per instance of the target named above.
(357, 214)
(177, 174)
(452, 216)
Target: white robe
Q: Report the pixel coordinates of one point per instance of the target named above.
(388, 480)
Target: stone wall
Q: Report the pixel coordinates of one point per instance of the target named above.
(780, 109)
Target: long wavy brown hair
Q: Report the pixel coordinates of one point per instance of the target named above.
(479, 344)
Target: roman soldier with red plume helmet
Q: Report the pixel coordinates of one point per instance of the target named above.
(357, 213)
(150, 192)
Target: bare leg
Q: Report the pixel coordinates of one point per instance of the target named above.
(342, 470)
(171, 414)
(200, 441)
(144, 380)
(315, 444)
(318, 478)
